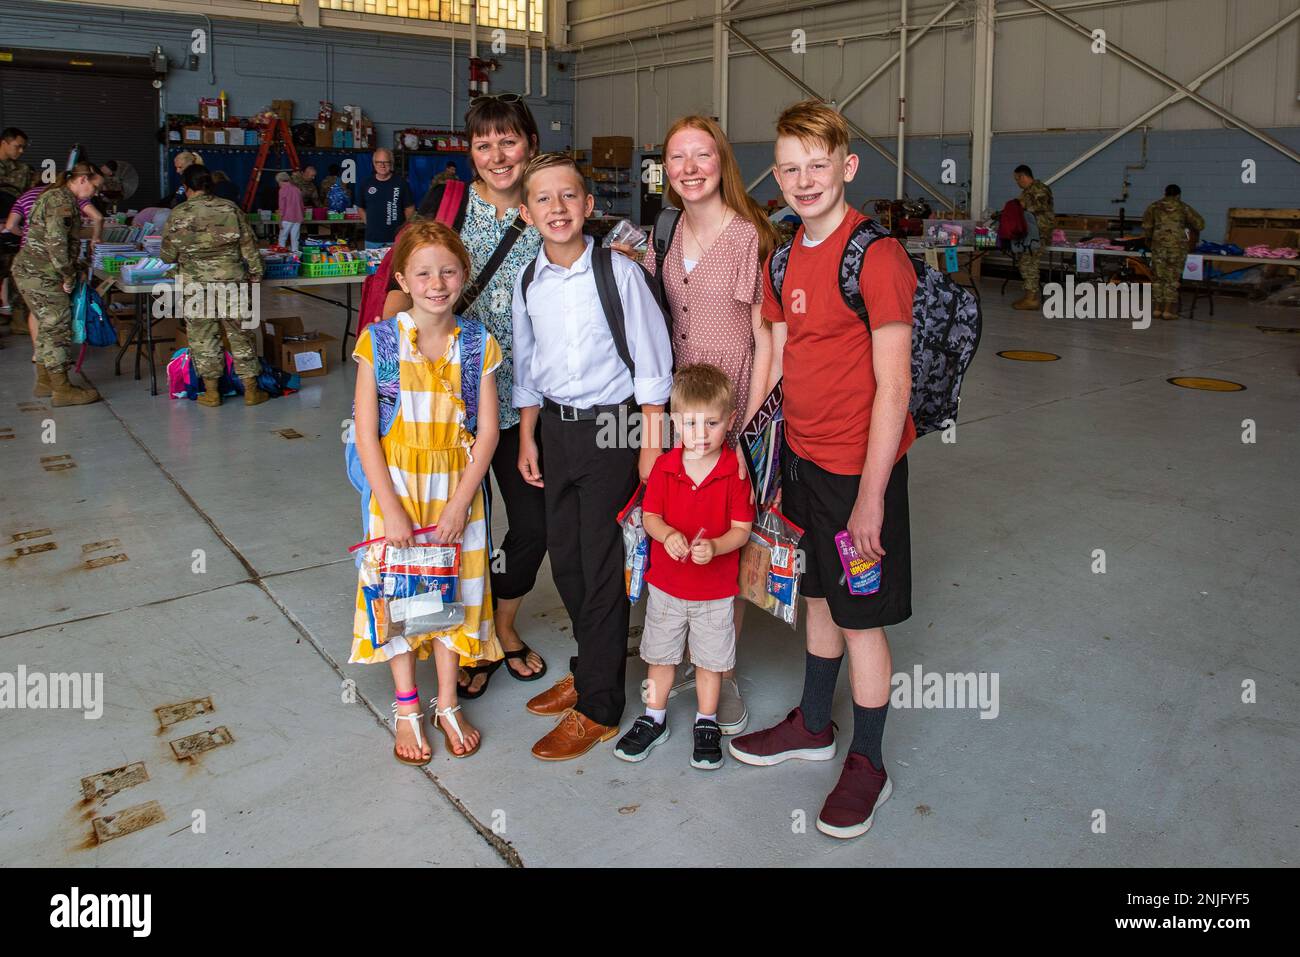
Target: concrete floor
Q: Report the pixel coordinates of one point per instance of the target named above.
(1119, 692)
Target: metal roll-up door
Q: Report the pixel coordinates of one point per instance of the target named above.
(111, 114)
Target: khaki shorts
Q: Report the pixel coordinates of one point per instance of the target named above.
(709, 624)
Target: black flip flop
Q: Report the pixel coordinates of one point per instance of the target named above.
(524, 652)
(488, 669)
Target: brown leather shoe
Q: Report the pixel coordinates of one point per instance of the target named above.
(573, 736)
(556, 699)
(1027, 301)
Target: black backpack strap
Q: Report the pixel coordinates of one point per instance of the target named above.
(526, 279)
(665, 229)
(855, 253)
(475, 288)
(611, 304)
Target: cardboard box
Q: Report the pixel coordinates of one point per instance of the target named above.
(173, 136)
(210, 137)
(308, 357)
(599, 143)
(620, 156)
(165, 332)
(324, 135)
(219, 137)
(192, 134)
(285, 110)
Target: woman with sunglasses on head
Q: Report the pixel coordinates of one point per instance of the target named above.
(503, 137)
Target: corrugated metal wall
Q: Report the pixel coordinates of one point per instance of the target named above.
(1053, 97)
(1046, 77)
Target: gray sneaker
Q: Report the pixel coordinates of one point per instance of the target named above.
(732, 714)
(685, 682)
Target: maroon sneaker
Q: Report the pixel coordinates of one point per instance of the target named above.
(851, 806)
(789, 739)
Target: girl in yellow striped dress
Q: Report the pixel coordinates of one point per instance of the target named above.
(428, 469)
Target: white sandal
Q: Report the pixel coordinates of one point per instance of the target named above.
(416, 721)
(450, 715)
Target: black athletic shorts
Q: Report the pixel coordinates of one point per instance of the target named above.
(820, 503)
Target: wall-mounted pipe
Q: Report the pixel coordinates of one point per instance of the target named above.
(902, 102)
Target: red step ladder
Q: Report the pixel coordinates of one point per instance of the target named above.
(277, 134)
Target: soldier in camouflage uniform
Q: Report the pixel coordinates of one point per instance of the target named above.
(306, 183)
(1036, 198)
(45, 270)
(1167, 223)
(16, 178)
(211, 242)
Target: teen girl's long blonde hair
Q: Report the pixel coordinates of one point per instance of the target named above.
(734, 194)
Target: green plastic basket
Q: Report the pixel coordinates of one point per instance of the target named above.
(112, 266)
(326, 270)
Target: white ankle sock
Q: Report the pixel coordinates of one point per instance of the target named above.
(657, 714)
(707, 717)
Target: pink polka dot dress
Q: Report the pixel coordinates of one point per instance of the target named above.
(712, 306)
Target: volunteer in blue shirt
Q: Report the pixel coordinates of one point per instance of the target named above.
(386, 201)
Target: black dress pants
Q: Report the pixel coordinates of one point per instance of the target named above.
(586, 486)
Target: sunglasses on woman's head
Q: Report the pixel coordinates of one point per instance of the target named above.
(499, 97)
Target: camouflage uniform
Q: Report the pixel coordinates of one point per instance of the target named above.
(47, 260)
(16, 178)
(310, 195)
(1036, 198)
(210, 240)
(1166, 222)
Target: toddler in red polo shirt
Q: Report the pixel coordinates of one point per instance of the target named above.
(698, 514)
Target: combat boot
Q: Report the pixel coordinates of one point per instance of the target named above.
(1029, 300)
(211, 395)
(65, 393)
(42, 390)
(252, 394)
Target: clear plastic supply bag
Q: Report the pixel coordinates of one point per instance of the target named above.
(636, 546)
(625, 232)
(769, 565)
(416, 590)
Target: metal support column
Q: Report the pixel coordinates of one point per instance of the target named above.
(721, 62)
(982, 107)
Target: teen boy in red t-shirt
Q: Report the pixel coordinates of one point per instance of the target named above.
(847, 432)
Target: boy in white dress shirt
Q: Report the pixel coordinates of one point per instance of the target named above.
(579, 369)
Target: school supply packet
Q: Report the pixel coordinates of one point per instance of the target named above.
(636, 545)
(416, 589)
(769, 565)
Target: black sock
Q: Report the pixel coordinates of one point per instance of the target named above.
(819, 677)
(868, 730)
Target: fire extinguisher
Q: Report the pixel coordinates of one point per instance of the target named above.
(478, 76)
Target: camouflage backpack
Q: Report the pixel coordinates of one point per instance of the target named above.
(945, 324)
